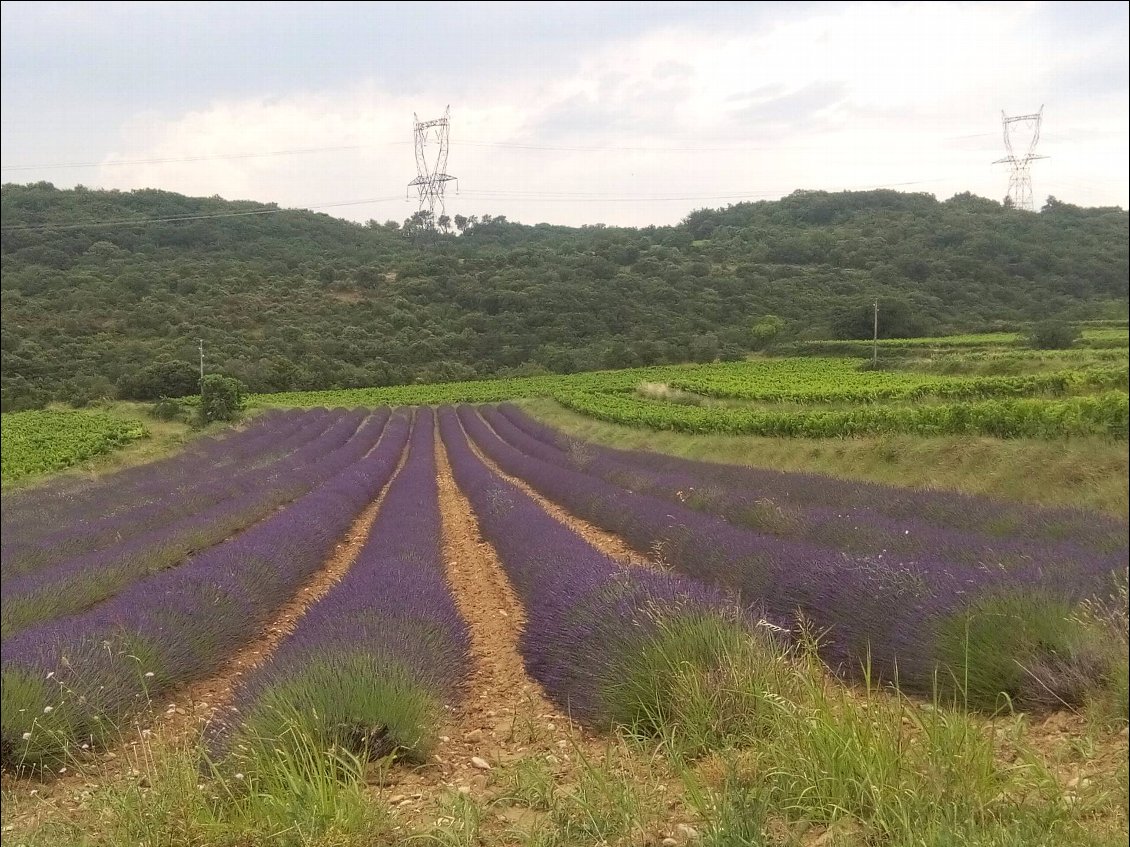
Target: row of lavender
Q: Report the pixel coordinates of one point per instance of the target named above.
(816, 505)
(369, 667)
(588, 618)
(35, 512)
(988, 629)
(853, 527)
(118, 514)
(73, 680)
(79, 582)
(372, 664)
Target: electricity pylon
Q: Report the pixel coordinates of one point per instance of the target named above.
(432, 137)
(1020, 180)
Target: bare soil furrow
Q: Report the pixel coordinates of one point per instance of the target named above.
(606, 542)
(196, 703)
(505, 714)
(177, 718)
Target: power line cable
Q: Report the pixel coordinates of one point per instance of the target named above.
(199, 158)
(185, 218)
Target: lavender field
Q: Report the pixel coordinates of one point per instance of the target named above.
(309, 571)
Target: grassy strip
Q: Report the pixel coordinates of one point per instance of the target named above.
(728, 741)
(1105, 414)
(1088, 472)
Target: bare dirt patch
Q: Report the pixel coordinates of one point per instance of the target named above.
(346, 295)
(504, 703)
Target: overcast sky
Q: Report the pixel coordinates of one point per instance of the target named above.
(568, 113)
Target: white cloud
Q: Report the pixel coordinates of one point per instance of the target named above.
(847, 97)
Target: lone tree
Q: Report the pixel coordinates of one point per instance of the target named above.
(1052, 334)
(222, 398)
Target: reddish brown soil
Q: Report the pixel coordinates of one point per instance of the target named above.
(196, 703)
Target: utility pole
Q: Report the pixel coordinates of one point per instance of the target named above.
(201, 340)
(875, 334)
(1020, 180)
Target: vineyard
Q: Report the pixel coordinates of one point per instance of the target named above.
(783, 397)
(35, 443)
(1054, 394)
(416, 585)
(1102, 414)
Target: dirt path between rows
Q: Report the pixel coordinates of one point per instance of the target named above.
(505, 715)
(606, 542)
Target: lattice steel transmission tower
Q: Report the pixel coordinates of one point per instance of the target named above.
(1020, 180)
(431, 180)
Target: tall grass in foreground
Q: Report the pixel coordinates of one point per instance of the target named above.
(171, 796)
(741, 739)
(764, 736)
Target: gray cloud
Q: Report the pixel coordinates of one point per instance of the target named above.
(798, 110)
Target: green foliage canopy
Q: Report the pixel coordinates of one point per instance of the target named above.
(294, 300)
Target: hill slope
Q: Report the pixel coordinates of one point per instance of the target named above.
(293, 300)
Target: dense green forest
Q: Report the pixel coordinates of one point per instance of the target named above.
(97, 303)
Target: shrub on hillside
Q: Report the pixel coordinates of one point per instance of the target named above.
(1052, 334)
(167, 409)
(160, 379)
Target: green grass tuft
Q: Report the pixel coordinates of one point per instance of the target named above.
(681, 683)
(363, 704)
(1024, 650)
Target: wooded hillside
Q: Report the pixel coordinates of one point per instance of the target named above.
(293, 300)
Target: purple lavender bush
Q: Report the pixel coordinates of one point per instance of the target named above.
(83, 581)
(24, 551)
(74, 680)
(856, 530)
(31, 513)
(923, 622)
(371, 666)
(595, 630)
(792, 491)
